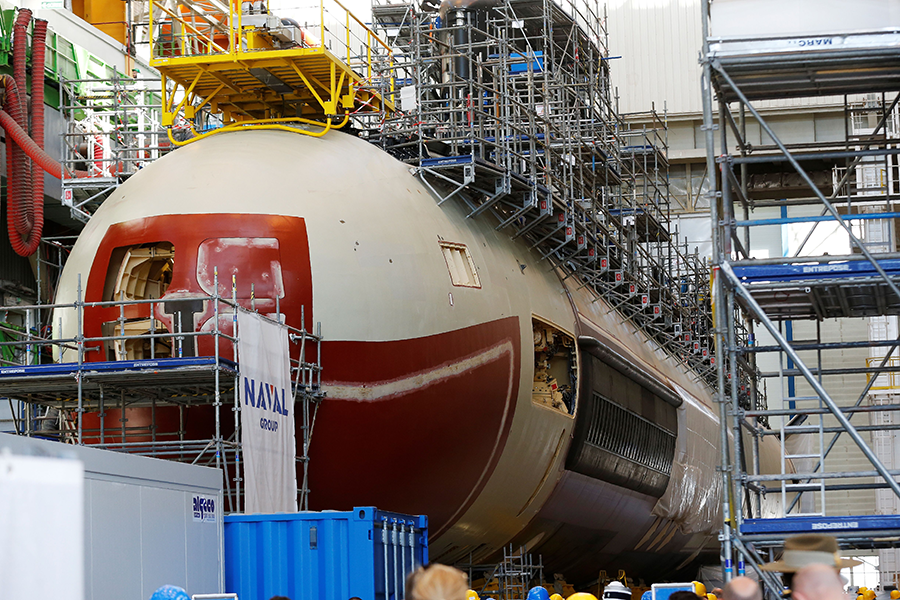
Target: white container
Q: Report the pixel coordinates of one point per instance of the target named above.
(144, 522)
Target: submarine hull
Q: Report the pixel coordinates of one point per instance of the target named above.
(466, 379)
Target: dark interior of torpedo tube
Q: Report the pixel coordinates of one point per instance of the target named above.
(626, 424)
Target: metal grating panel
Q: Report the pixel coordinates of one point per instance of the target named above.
(630, 436)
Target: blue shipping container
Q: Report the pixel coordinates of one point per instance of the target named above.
(364, 553)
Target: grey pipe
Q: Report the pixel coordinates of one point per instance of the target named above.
(596, 348)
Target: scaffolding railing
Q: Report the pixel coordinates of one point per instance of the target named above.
(788, 297)
(238, 64)
(144, 357)
(509, 111)
(113, 129)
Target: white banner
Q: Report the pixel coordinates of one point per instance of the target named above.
(267, 416)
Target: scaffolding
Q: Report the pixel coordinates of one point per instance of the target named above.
(511, 578)
(508, 111)
(113, 129)
(66, 388)
(236, 64)
(771, 312)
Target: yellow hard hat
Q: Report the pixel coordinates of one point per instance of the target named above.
(895, 594)
(582, 596)
(869, 595)
(472, 595)
(699, 589)
(558, 597)
(711, 596)
(860, 597)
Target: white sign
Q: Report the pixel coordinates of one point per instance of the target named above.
(267, 415)
(408, 99)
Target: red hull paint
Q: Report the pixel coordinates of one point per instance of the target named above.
(249, 265)
(427, 426)
(190, 233)
(437, 411)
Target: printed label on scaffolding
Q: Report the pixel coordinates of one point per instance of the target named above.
(267, 416)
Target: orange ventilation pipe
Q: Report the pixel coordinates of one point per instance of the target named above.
(38, 47)
(19, 218)
(31, 149)
(24, 180)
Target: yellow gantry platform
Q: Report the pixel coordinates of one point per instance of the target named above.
(249, 67)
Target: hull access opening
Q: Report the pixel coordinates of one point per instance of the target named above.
(555, 368)
(138, 273)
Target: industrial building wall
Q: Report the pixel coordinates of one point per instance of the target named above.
(659, 43)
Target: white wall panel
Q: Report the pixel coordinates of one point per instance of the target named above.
(659, 42)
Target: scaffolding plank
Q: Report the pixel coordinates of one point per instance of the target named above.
(790, 67)
(24, 371)
(810, 272)
(816, 524)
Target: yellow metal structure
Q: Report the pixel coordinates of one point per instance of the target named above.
(247, 67)
(106, 15)
(884, 382)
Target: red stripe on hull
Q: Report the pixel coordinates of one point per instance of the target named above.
(425, 449)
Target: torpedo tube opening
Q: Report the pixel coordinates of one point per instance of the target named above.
(141, 272)
(555, 368)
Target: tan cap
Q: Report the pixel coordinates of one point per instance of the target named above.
(809, 549)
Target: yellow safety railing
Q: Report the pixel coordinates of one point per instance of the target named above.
(317, 65)
(883, 381)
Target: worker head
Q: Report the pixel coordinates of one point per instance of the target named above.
(538, 593)
(895, 594)
(809, 549)
(170, 592)
(556, 597)
(869, 595)
(616, 590)
(742, 588)
(472, 595)
(699, 588)
(817, 582)
(437, 582)
(582, 596)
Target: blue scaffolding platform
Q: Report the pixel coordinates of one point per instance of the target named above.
(850, 524)
(188, 380)
(829, 288)
(806, 272)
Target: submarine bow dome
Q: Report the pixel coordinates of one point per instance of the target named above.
(465, 378)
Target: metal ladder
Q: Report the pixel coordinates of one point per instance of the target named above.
(801, 425)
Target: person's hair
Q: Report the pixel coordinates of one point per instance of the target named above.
(437, 582)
